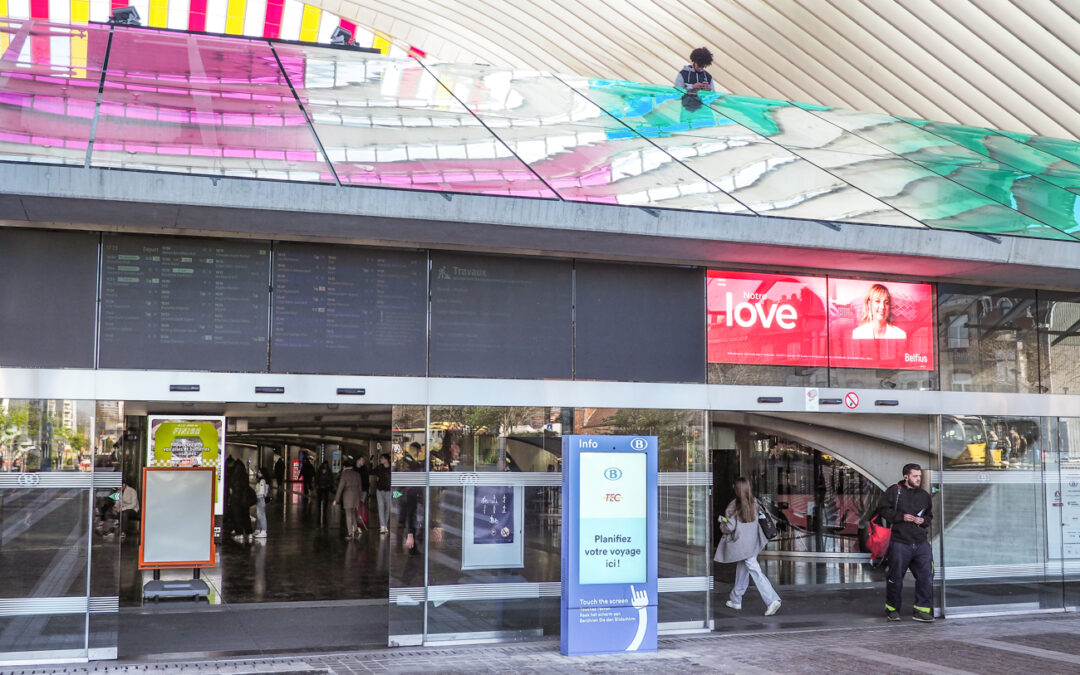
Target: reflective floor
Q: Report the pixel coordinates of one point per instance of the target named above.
(304, 587)
(304, 558)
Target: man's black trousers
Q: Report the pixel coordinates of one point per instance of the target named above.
(920, 559)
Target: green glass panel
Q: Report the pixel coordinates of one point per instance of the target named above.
(655, 111)
(1009, 151)
(928, 196)
(1065, 149)
(898, 137)
(1020, 191)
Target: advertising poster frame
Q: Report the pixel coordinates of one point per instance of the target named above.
(509, 553)
(610, 502)
(160, 441)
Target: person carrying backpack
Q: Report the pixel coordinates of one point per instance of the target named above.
(909, 510)
(741, 542)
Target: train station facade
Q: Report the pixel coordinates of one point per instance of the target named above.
(343, 254)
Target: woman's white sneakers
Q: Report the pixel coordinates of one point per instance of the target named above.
(733, 605)
(774, 607)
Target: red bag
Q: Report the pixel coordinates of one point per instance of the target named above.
(362, 514)
(877, 540)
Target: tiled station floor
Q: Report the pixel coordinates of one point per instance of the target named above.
(1045, 643)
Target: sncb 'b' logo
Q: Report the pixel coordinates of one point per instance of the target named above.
(613, 473)
(638, 443)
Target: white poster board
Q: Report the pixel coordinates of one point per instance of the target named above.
(493, 532)
(177, 518)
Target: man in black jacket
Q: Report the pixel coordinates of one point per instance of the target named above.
(907, 507)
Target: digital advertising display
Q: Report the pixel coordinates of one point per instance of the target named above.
(609, 550)
(776, 319)
(881, 324)
(789, 320)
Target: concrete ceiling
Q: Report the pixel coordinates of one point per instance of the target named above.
(1003, 64)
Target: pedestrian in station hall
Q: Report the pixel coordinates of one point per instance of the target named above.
(741, 542)
(279, 473)
(908, 509)
(262, 490)
(324, 485)
(382, 492)
(307, 476)
(348, 495)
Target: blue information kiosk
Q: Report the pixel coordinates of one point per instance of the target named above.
(609, 544)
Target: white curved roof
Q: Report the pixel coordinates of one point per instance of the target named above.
(994, 63)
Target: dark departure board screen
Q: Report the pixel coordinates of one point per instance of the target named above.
(184, 304)
(349, 310)
(47, 306)
(500, 317)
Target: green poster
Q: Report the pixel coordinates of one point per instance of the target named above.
(189, 441)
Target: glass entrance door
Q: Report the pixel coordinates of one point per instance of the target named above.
(1066, 501)
(1002, 543)
(58, 550)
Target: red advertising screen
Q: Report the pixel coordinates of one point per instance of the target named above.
(881, 325)
(776, 319)
(788, 320)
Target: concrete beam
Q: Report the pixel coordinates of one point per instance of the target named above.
(112, 200)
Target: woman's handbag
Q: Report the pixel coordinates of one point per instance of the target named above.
(768, 525)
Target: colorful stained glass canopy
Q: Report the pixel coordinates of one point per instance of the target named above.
(147, 99)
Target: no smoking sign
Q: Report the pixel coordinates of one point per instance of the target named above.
(851, 400)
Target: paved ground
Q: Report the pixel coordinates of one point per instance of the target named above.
(1043, 643)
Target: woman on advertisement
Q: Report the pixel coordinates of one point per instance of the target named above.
(877, 317)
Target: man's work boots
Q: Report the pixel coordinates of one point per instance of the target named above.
(893, 615)
(925, 617)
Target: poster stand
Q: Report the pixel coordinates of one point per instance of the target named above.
(177, 529)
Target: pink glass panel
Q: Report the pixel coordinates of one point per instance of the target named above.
(202, 104)
(47, 97)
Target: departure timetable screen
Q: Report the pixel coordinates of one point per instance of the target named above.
(170, 302)
(338, 309)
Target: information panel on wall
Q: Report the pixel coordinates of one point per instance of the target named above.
(340, 309)
(782, 319)
(609, 552)
(185, 304)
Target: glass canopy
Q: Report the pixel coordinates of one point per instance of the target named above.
(165, 101)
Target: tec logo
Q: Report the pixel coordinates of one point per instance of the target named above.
(638, 444)
(613, 497)
(613, 473)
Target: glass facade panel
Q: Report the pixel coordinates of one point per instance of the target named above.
(47, 98)
(685, 476)
(987, 339)
(47, 452)
(928, 197)
(388, 122)
(1059, 342)
(1066, 502)
(495, 499)
(408, 526)
(204, 105)
(820, 502)
(998, 473)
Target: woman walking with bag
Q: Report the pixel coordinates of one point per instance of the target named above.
(741, 542)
